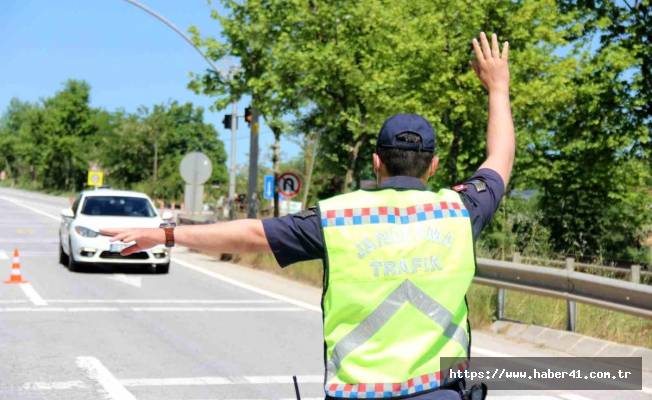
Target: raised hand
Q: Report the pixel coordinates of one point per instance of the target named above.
(490, 64)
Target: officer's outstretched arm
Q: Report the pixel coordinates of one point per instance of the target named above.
(241, 236)
(493, 70)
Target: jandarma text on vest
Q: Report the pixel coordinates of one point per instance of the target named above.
(400, 235)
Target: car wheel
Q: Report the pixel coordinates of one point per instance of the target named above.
(63, 257)
(163, 268)
(72, 264)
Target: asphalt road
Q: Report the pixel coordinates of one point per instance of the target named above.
(208, 330)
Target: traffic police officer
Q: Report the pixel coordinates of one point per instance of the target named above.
(398, 259)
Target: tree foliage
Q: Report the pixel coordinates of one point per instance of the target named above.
(582, 116)
(51, 144)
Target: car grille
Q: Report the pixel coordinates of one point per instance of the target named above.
(135, 256)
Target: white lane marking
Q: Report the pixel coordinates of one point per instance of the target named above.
(54, 385)
(111, 388)
(521, 397)
(32, 295)
(3, 255)
(150, 309)
(304, 398)
(135, 281)
(31, 254)
(89, 364)
(12, 301)
(158, 301)
(221, 380)
(572, 396)
(56, 309)
(214, 309)
(254, 289)
(28, 241)
(54, 217)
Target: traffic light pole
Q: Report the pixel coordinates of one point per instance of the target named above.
(234, 133)
(252, 194)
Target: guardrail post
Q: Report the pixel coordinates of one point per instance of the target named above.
(571, 306)
(500, 296)
(500, 304)
(635, 275)
(516, 257)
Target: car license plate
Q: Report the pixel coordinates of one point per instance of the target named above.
(117, 247)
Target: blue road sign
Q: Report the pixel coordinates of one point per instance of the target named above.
(268, 191)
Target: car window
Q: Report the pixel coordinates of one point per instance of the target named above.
(117, 206)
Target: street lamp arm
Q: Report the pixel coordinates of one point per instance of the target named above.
(177, 30)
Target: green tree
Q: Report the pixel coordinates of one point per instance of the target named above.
(343, 67)
(146, 148)
(594, 176)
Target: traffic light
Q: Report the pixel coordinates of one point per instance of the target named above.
(248, 115)
(227, 121)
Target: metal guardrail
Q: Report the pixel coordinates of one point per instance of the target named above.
(578, 265)
(614, 294)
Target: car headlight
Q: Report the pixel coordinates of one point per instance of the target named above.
(86, 232)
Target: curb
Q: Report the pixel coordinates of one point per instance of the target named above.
(571, 342)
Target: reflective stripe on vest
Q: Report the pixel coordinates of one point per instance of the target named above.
(398, 266)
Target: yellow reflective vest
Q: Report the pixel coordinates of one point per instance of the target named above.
(398, 265)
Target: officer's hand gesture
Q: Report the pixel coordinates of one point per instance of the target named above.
(490, 64)
(143, 239)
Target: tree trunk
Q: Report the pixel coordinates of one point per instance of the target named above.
(310, 166)
(353, 159)
(454, 149)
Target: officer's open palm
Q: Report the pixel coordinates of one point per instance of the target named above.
(142, 239)
(490, 63)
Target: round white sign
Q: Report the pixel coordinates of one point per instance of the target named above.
(195, 168)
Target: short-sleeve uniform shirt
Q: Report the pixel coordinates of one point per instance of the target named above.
(299, 237)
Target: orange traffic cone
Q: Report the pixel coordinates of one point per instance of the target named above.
(15, 277)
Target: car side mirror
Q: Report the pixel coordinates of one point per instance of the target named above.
(167, 215)
(67, 213)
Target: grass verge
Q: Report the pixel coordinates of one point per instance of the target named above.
(527, 308)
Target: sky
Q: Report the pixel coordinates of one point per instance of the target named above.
(128, 57)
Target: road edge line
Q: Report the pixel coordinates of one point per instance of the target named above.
(54, 217)
(246, 286)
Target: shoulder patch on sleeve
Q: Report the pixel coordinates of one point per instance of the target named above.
(480, 185)
(306, 213)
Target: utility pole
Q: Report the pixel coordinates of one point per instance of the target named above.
(252, 193)
(155, 167)
(276, 158)
(234, 133)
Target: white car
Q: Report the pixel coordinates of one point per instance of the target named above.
(81, 244)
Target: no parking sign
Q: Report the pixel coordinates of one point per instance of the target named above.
(289, 184)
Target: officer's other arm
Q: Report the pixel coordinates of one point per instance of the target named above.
(241, 236)
(493, 70)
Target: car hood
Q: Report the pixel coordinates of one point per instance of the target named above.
(97, 223)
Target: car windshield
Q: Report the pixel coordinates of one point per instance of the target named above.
(118, 206)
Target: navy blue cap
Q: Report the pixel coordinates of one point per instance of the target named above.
(402, 123)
